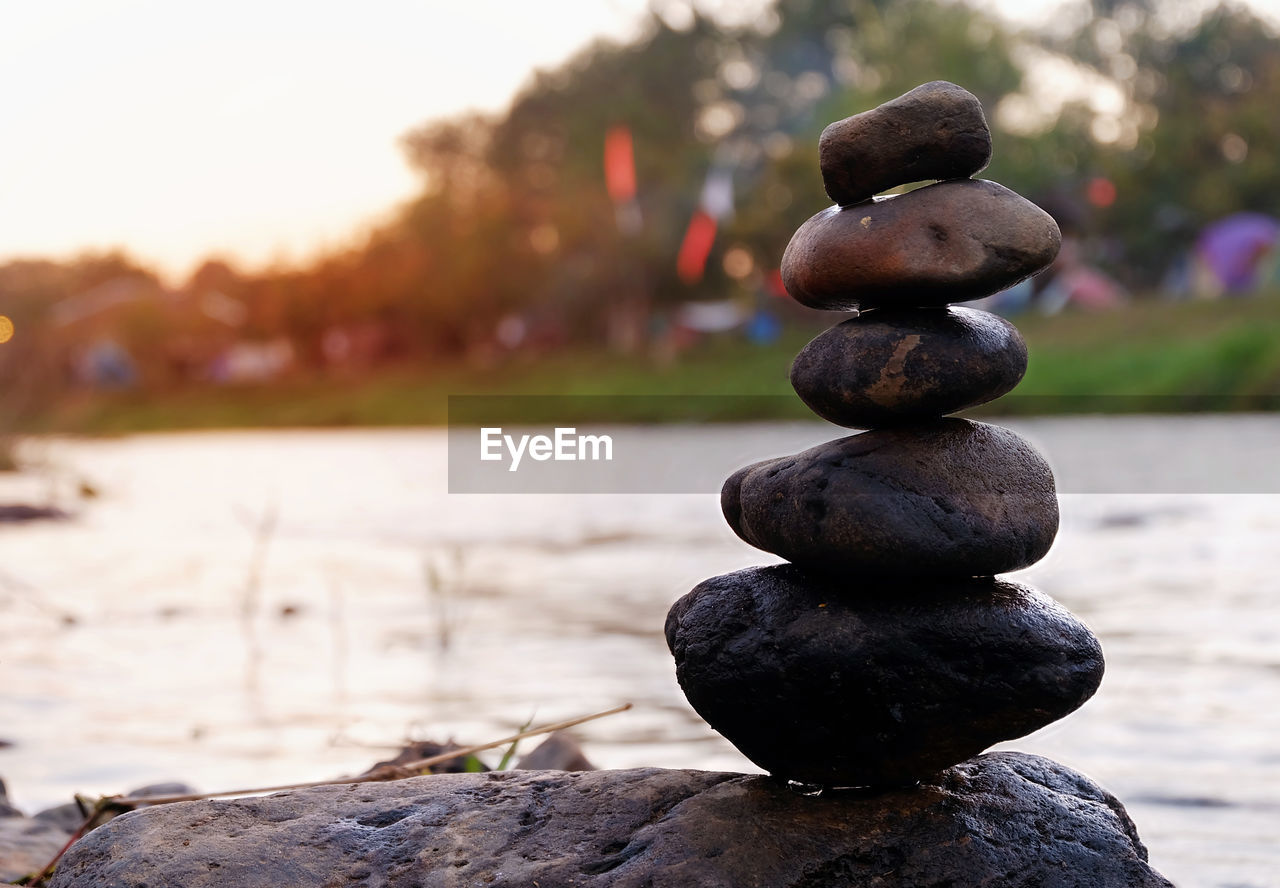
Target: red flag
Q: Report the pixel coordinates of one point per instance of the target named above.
(714, 204)
(619, 164)
(773, 281)
(695, 247)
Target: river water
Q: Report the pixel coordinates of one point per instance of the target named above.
(243, 609)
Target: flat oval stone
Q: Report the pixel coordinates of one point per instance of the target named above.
(949, 242)
(949, 498)
(936, 131)
(851, 681)
(893, 366)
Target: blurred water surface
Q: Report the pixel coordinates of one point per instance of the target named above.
(239, 609)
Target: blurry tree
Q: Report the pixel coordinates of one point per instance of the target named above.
(514, 212)
(535, 226)
(29, 368)
(1195, 137)
(1136, 121)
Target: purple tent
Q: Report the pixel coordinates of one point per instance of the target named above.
(1233, 246)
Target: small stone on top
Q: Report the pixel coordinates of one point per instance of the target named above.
(935, 131)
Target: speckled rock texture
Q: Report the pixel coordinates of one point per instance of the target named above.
(894, 366)
(1005, 819)
(949, 242)
(936, 131)
(948, 498)
(880, 682)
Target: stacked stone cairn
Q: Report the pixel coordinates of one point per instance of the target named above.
(886, 653)
(888, 649)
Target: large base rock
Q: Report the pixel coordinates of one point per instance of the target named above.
(1002, 819)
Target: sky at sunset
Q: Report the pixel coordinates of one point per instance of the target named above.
(258, 130)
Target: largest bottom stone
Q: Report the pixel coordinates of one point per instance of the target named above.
(1004, 820)
(878, 682)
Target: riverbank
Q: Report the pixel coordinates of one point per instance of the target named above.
(1149, 357)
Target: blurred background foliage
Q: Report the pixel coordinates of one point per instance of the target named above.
(1135, 124)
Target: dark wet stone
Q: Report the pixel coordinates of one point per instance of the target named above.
(949, 242)
(559, 752)
(1004, 819)
(67, 816)
(422, 749)
(893, 366)
(875, 682)
(949, 498)
(70, 816)
(936, 131)
(6, 809)
(15, 513)
(165, 788)
(27, 845)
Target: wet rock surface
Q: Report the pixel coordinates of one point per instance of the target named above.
(856, 682)
(935, 131)
(949, 242)
(67, 816)
(1001, 819)
(70, 815)
(27, 845)
(889, 367)
(949, 498)
(6, 809)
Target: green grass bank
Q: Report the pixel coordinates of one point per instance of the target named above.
(1148, 357)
